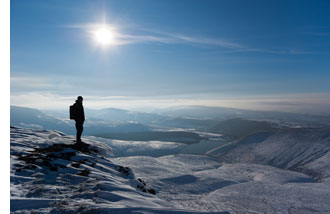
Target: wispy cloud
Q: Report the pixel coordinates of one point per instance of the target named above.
(275, 51)
(175, 39)
(124, 39)
(209, 41)
(126, 35)
(142, 35)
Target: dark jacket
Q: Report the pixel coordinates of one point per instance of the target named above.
(79, 112)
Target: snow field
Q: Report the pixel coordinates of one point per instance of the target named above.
(200, 183)
(50, 175)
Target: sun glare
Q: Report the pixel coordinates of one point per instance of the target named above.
(104, 36)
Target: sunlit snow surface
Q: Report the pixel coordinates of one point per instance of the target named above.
(183, 183)
(66, 180)
(198, 182)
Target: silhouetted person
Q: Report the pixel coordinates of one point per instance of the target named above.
(79, 117)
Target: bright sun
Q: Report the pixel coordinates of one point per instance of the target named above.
(104, 36)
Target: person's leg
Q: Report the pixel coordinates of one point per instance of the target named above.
(79, 127)
(81, 130)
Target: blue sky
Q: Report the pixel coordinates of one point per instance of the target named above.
(271, 55)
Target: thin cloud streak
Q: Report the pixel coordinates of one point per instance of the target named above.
(275, 51)
(154, 36)
(208, 41)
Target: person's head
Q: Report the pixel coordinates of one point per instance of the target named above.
(80, 99)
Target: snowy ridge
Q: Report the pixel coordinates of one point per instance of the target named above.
(304, 150)
(50, 175)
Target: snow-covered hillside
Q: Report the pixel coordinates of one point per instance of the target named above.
(201, 183)
(305, 150)
(51, 175)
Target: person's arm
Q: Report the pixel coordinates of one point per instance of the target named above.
(83, 114)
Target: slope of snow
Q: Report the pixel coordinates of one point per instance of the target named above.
(201, 183)
(301, 149)
(51, 175)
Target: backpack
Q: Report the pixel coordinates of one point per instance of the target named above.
(73, 112)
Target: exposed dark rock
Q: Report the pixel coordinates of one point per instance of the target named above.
(44, 156)
(143, 187)
(151, 191)
(75, 165)
(67, 155)
(53, 168)
(124, 170)
(61, 166)
(52, 148)
(18, 165)
(84, 172)
(139, 179)
(30, 166)
(83, 147)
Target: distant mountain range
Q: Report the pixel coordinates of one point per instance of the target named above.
(32, 118)
(109, 123)
(222, 113)
(234, 123)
